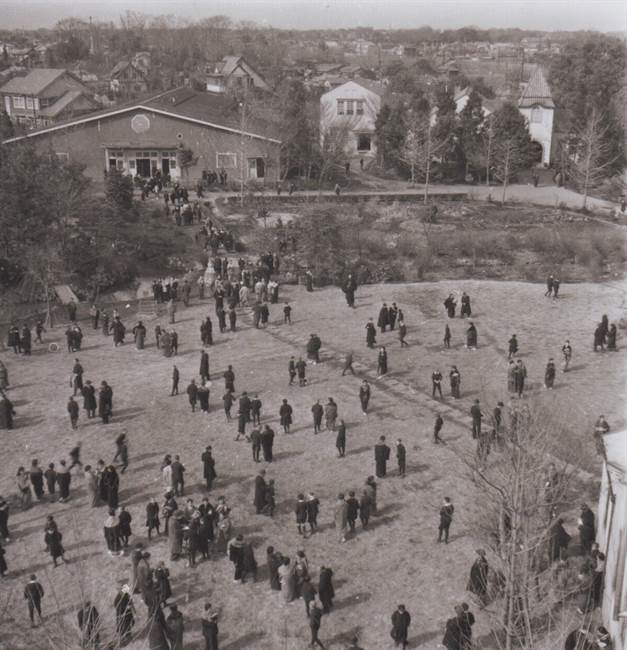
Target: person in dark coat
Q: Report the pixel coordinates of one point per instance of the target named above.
(587, 531)
(401, 455)
(446, 518)
(512, 346)
(559, 540)
(611, 338)
(349, 290)
(313, 508)
(315, 616)
(209, 624)
(111, 482)
(25, 340)
(124, 615)
(7, 412)
(382, 362)
(340, 440)
(364, 396)
(450, 305)
(381, 457)
(371, 334)
(89, 624)
(3, 562)
(13, 339)
(392, 315)
(317, 411)
(471, 336)
(152, 517)
(53, 539)
(453, 638)
(465, 309)
(105, 402)
(549, 375)
(37, 479)
(267, 442)
(325, 589)
(285, 413)
(33, 593)
(203, 396)
(89, 399)
(260, 491)
(477, 415)
(124, 519)
(274, 561)
(192, 394)
(478, 581)
(204, 365)
(176, 627)
(384, 318)
(161, 578)
(157, 630)
(209, 465)
(401, 621)
(455, 379)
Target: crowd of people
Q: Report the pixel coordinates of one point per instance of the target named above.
(204, 530)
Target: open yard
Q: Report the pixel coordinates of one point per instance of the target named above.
(397, 560)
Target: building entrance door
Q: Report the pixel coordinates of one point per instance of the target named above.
(143, 167)
(165, 166)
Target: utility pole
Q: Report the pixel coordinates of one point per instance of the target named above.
(242, 105)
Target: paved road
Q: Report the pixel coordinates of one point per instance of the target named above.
(547, 195)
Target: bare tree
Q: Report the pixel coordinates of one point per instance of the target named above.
(507, 159)
(332, 152)
(589, 154)
(420, 147)
(522, 493)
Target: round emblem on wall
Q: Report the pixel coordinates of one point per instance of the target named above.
(140, 123)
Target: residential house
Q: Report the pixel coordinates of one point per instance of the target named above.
(45, 96)
(148, 136)
(363, 47)
(234, 73)
(128, 78)
(350, 110)
(612, 537)
(535, 103)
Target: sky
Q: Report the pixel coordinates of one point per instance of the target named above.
(549, 15)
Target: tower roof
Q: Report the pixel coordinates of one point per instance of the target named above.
(536, 91)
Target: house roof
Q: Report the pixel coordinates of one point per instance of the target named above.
(35, 82)
(63, 102)
(373, 86)
(207, 109)
(123, 65)
(536, 91)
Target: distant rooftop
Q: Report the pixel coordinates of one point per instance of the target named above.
(35, 82)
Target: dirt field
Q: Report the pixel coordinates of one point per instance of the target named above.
(397, 560)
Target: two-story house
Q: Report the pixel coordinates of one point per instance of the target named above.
(128, 78)
(46, 96)
(351, 110)
(234, 73)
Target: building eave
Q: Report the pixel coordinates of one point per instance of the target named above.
(87, 119)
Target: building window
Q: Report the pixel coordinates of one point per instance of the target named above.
(364, 142)
(226, 160)
(29, 103)
(349, 107)
(536, 115)
(62, 157)
(18, 102)
(340, 107)
(360, 107)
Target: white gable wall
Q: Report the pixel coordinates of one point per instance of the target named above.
(540, 123)
(355, 124)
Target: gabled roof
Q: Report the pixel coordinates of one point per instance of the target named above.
(123, 65)
(536, 91)
(63, 102)
(228, 64)
(35, 82)
(206, 109)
